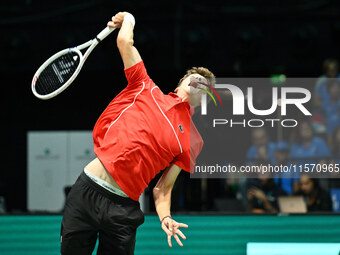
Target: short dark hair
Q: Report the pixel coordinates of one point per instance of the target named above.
(205, 72)
(328, 62)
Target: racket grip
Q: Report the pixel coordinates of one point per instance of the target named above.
(105, 32)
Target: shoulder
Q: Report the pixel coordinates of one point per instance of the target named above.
(252, 149)
(271, 146)
(138, 66)
(136, 73)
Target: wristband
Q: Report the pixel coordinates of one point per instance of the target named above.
(129, 17)
(165, 218)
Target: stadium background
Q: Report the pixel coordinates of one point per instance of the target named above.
(232, 38)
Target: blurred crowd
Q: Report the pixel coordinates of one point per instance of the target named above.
(316, 140)
(314, 143)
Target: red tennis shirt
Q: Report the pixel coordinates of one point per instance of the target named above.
(142, 131)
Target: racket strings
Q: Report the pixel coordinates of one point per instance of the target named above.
(57, 73)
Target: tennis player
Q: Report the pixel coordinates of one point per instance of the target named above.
(140, 133)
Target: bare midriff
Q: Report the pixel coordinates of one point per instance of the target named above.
(96, 168)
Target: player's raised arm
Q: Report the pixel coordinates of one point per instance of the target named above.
(162, 197)
(126, 22)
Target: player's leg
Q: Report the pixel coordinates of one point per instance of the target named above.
(77, 241)
(118, 232)
(79, 225)
(120, 219)
(109, 243)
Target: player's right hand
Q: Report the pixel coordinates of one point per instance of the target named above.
(117, 20)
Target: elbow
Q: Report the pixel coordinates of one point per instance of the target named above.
(158, 192)
(123, 42)
(155, 192)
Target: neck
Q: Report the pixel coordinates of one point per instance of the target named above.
(186, 98)
(182, 95)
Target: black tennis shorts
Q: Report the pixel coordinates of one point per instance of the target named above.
(93, 212)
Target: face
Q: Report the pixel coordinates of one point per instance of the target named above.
(306, 185)
(189, 92)
(259, 137)
(332, 71)
(281, 156)
(306, 131)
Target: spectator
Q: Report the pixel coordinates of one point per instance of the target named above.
(288, 181)
(316, 198)
(262, 196)
(335, 145)
(331, 107)
(331, 70)
(262, 148)
(307, 147)
(335, 149)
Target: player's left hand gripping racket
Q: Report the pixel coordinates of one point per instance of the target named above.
(60, 70)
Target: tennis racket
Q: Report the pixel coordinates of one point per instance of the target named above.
(60, 70)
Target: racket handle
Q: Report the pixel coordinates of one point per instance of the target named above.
(105, 32)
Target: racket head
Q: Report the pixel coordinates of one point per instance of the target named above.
(57, 73)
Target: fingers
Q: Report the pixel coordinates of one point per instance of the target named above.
(111, 24)
(182, 225)
(171, 225)
(178, 240)
(119, 17)
(166, 230)
(116, 21)
(169, 240)
(179, 232)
